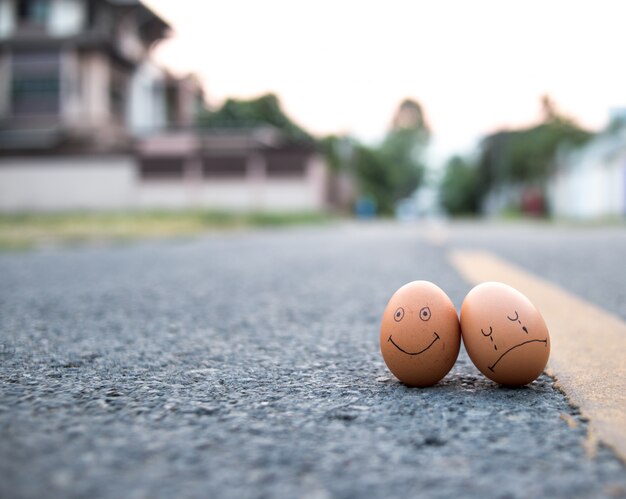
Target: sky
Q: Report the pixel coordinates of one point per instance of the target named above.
(343, 66)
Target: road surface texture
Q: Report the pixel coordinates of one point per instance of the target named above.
(247, 366)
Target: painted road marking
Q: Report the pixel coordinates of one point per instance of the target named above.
(588, 353)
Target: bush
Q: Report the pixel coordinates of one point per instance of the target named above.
(460, 192)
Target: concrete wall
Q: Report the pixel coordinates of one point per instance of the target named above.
(275, 195)
(228, 195)
(33, 184)
(101, 183)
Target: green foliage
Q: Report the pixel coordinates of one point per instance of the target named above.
(521, 158)
(386, 173)
(373, 178)
(526, 156)
(460, 193)
(264, 110)
(393, 170)
(401, 154)
(338, 152)
(401, 150)
(27, 230)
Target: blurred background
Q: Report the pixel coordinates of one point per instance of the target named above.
(123, 117)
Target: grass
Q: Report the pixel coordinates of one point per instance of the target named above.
(28, 230)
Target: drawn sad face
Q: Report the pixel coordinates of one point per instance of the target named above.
(504, 334)
(419, 334)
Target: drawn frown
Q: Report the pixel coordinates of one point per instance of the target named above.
(523, 328)
(504, 334)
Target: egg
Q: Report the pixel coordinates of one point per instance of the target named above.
(420, 336)
(504, 334)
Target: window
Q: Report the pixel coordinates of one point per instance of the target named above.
(33, 12)
(118, 93)
(224, 167)
(35, 83)
(91, 14)
(162, 169)
(171, 106)
(287, 165)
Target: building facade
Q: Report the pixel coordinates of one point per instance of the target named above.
(590, 182)
(66, 72)
(89, 121)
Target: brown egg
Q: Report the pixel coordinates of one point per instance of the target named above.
(504, 334)
(419, 335)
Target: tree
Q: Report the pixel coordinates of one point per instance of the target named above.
(526, 156)
(339, 152)
(264, 110)
(373, 178)
(394, 170)
(459, 190)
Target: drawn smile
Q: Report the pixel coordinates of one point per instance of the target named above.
(414, 353)
(491, 368)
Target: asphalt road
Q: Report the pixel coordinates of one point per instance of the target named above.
(588, 261)
(247, 365)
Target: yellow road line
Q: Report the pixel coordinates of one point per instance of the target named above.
(588, 354)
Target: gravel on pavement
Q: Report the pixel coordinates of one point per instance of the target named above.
(247, 365)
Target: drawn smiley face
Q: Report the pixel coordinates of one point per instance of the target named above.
(424, 315)
(504, 334)
(419, 335)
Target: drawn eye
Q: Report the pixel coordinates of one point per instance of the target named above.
(513, 319)
(489, 333)
(398, 314)
(425, 314)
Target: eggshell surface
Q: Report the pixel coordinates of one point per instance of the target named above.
(504, 334)
(420, 335)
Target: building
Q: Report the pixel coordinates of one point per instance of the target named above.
(66, 68)
(590, 182)
(253, 169)
(89, 121)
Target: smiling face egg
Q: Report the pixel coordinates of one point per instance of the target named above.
(419, 335)
(504, 334)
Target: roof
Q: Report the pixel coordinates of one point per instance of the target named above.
(150, 22)
(138, 3)
(218, 141)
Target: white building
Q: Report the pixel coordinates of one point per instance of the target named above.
(590, 182)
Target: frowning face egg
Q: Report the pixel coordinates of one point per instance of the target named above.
(504, 334)
(419, 334)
